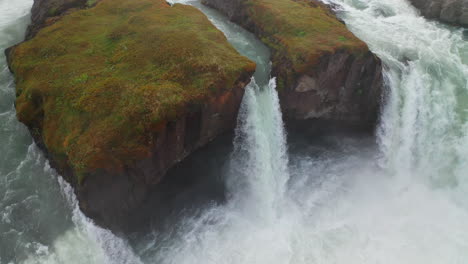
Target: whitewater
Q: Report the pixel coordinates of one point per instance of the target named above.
(400, 197)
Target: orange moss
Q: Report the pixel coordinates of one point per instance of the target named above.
(99, 82)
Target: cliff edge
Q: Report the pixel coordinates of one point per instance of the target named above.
(324, 71)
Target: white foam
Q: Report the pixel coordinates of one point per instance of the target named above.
(404, 203)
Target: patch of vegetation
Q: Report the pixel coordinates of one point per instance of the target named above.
(101, 82)
(342, 38)
(52, 11)
(301, 33)
(90, 3)
(83, 78)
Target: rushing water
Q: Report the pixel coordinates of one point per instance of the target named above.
(344, 200)
(328, 199)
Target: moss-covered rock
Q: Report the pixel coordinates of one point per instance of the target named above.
(323, 70)
(99, 85)
(116, 92)
(301, 31)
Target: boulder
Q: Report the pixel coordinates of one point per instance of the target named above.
(118, 93)
(453, 12)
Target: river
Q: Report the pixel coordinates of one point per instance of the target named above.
(296, 197)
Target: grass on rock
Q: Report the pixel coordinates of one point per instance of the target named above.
(300, 31)
(100, 82)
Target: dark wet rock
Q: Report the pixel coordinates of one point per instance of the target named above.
(449, 11)
(45, 12)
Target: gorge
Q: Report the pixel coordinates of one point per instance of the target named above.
(113, 110)
(297, 197)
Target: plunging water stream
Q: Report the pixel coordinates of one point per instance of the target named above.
(328, 199)
(348, 201)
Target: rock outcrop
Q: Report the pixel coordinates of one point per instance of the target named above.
(323, 70)
(118, 93)
(45, 12)
(454, 12)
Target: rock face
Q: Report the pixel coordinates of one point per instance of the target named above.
(343, 87)
(118, 93)
(449, 11)
(323, 70)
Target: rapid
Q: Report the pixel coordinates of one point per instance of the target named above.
(400, 197)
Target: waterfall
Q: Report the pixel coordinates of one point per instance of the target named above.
(345, 200)
(257, 211)
(423, 129)
(315, 199)
(259, 162)
(258, 169)
(256, 180)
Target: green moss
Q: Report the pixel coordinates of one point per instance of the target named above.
(90, 3)
(102, 81)
(83, 78)
(301, 34)
(300, 31)
(280, 85)
(52, 12)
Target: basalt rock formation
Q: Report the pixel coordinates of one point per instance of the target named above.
(324, 72)
(449, 11)
(118, 92)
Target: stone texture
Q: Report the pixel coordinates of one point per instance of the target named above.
(449, 11)
(342, 88)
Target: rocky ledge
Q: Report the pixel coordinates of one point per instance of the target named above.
(454, 12)
(45, 12)
(324, 72)
(118, 92)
